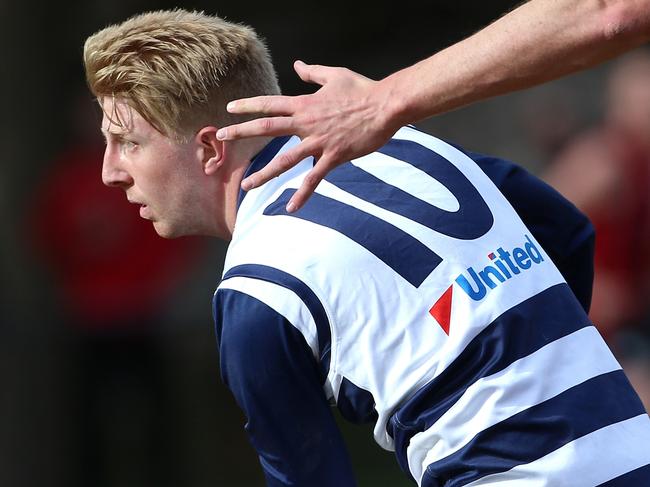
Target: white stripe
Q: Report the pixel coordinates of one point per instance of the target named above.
(518, 387)
(586, 462)
(410, 179)
(282, 300)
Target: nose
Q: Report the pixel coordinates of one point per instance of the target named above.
(113, 174)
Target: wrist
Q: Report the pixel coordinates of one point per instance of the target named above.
(394, 104)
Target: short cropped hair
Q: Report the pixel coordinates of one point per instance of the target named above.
(178, 69)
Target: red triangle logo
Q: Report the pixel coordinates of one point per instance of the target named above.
(441, 310)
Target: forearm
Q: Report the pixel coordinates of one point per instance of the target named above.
(351, 116)
(539, 41)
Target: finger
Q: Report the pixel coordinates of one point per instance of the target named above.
(253, 128)
(313, 73)
(268, 105)
(308, 186)
(278, 165)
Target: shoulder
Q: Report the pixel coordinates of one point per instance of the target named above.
(259, 300)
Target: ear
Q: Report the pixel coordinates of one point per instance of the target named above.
(213, 153)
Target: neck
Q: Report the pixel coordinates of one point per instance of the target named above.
(240, 155)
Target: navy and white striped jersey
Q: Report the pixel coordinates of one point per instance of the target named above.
(409, 292)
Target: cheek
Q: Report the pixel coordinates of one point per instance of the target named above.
(173, 181)
(155, 172)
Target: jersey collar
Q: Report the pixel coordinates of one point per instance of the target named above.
(262, 159)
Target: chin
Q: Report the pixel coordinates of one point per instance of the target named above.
(167, 231)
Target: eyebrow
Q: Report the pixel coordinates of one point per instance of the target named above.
(119, 135)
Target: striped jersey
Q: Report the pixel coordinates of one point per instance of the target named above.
(438, 294)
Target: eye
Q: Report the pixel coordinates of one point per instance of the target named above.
(128, 145)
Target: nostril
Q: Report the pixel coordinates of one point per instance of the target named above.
(115, 180)
(113, 176)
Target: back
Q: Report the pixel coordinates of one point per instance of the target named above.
(428, 307)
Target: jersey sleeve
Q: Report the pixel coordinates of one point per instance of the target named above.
(272, 371)
(563, 231)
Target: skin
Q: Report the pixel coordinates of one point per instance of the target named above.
(183, 187)
(351, 115)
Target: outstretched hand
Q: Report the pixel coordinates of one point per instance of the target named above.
(346, 118)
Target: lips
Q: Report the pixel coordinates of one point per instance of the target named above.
(144, 209)
(144, 212)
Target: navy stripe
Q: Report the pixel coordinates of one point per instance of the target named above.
(304, 292)
(637, 477)
(520, 331)
(262, 159)
(356, 404)
(406, 255)
(531, 434)
(472, 220)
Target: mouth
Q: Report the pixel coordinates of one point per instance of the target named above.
(145, 212)
(144, 209)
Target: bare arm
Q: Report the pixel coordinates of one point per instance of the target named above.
(350, 115)
(537, 42)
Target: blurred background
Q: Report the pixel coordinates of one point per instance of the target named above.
(108, 367)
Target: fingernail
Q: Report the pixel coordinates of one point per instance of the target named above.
(291, 207)
(221, 134)
(230, 106)
(246, 184)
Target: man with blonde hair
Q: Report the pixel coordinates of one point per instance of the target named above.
(407, 291)
(163, 80)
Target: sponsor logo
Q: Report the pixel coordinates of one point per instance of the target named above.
(504, 265)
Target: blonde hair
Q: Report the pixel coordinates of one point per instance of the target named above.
(178, 69)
